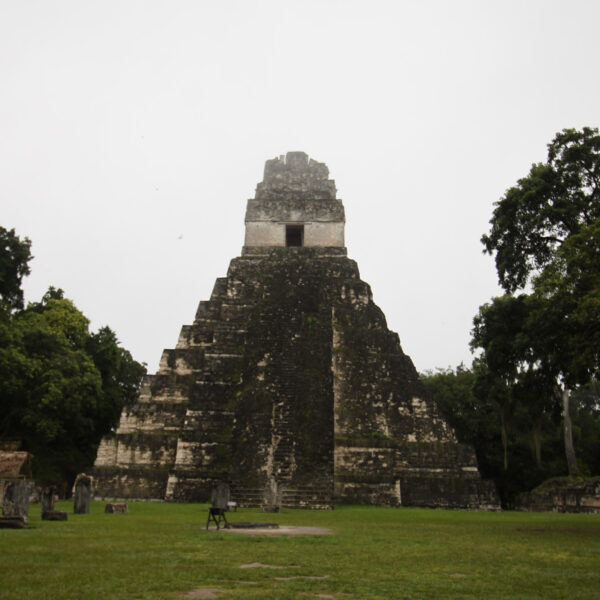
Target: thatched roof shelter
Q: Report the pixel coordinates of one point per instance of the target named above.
(15, 465)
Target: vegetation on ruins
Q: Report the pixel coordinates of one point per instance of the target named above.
(161, 550)
(61, 387)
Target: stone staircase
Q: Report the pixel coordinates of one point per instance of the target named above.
(283, 443)
(313, 497)
(203, 448)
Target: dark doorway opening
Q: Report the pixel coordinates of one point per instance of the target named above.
(294, 235)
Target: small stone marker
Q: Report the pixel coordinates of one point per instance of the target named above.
(219, 500)
(272, 497)
(116, 508)
(219, 497)
(48, 512)
(16, 500)
(48, 499)
(82, 493)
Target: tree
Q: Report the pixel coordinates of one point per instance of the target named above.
(545, 237)
(15, 255)
(61, 387)
(474, 402)
(555, 201)
(121, 375)
(516, 373)
(56, 397)
(473, 419)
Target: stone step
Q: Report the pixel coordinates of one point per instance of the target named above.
(314, 498)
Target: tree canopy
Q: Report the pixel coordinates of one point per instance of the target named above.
(530, 448)
(62, 387)
(15, 254)
(545, 234)
(555, 201)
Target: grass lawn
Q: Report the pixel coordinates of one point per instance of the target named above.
(163, 551)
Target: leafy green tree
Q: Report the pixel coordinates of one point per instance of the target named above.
(515, 374)
(61, 387)
(555, 201)
(475, 403)
(57, 397)
(121, 375)
(15, 254)
(473, 419)
(545, 237)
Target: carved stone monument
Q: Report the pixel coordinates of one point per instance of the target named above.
(15, 485)
(48, 512)
(16, 499)
(82, 494)
(220, 495)
(272, 497)
(289, 380)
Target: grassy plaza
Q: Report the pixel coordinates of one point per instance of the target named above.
(163, 551)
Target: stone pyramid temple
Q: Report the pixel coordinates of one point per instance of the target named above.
(288, 385)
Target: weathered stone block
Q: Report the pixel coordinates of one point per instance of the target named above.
(82, 493)
(54, 515)
(16, 499)
(14, 522)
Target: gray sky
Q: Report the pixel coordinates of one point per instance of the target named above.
(133, 132)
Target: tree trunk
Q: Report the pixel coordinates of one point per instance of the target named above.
(569, 448)
(536, 441)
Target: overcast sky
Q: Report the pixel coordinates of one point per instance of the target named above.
(132, 134)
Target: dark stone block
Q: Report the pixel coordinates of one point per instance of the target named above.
(54, 515)
(14, 522)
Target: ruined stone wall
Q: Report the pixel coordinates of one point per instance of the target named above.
(562, 494)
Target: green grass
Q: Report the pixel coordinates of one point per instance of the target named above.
(162, 551)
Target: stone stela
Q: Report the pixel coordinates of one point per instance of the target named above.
(288, 386)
